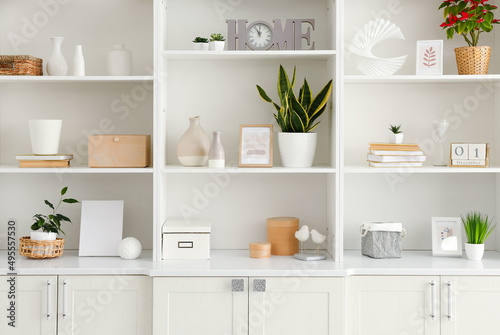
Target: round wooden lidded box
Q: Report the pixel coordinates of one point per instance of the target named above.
(260, 250)
(281, 235)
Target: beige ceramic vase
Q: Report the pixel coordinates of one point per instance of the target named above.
(194, 145)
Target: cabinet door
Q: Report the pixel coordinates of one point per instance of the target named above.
(392, 305)
(194, 305)
(35, 305)
(296, 305)
(474, 305)
(90, 305)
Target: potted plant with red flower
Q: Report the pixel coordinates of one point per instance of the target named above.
(469, 18)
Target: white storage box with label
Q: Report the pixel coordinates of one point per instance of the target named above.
(186, 239)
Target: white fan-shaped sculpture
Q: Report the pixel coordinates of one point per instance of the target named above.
(370, 35)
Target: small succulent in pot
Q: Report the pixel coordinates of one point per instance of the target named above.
(217, 37)
(200, 40)
(396, 134)
(200, 43)
(217, 42)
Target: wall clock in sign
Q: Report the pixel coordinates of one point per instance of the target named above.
(260, 35)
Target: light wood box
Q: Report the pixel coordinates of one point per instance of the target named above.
(281, 235)
(260, 250)
(119, 151)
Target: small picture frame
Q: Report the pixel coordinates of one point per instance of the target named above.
(256, 145)
(429, 57)
(446, 236)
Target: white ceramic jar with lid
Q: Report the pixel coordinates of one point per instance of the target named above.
(119, 61)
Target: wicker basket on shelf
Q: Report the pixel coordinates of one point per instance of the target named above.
(21, 66)
(473, 60)
(40, 249)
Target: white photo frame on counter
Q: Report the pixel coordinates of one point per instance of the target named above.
(447, 236)
(429, 57)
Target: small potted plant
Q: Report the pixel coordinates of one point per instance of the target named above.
(200, 43)
(217, 42)
(469, 18)
(396, 135)
(477, 228)
(296, 117)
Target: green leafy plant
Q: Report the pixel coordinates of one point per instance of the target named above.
(52, 223)
(468, 18)
(200, 40)
(217, 37)
(395, 129)
(297, 114)
(477, 227)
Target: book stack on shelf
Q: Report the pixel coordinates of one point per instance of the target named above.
(45, 161)
(395, 155)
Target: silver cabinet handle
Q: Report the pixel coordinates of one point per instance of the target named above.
(237, 285)
(49, 299)
(433, 299)
(259, 285)
(449, 299)
(64, 314)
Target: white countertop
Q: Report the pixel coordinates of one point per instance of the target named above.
(236, 263)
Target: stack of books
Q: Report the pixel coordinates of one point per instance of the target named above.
(395, 155)
(37, 161)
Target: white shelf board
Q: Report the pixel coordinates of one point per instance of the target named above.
(238, 170)
(72, 169)
(428, 79)
(425, 169)
(73, 79)
(248, 55)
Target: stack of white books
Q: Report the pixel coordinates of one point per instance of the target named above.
(395, 155)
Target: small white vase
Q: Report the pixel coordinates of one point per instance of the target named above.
(297, 149)
(217, 45)
(194, 145)
(42, 236)
(216, 156)
(474, 252)
(56, 65)
(78, 62)
(396, 138)
(45, 135)
(200, 46)
(119, 61)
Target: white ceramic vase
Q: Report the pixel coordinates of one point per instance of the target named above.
(194, 145)
(39, 235)
(78, 62)
(200, 46)
(45, 135)
(396, 138)
(474, 252)
(297, 149)
(216, 156)
(217, 45)
(57, 66)
(119, 61)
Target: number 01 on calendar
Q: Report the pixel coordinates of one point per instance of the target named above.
(469, 155)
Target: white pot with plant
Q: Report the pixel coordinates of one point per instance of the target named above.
(296, 117)
(477, 228)
(217, 42)
(200, 43)
(396, 135)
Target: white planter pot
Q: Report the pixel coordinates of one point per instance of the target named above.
(217, 45)
(396, 138)
(42, 236)
(45, 135)
(297, 149)
(200, 46)
(474, 252)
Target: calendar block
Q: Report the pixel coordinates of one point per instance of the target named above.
(469, 155)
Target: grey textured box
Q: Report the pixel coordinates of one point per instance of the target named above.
(381, 244)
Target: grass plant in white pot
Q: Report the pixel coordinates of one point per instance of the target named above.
(296, 117)
(477, 228)
(396, 134)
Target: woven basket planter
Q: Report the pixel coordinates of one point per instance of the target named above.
(473, 60)
(21, 66)
(40, 249)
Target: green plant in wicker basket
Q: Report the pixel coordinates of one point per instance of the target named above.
(200, 40)
(51, 223)
(217, 37)
(297, 114)
(477, 227)
(395, 129)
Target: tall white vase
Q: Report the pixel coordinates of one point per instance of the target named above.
(57, 66)
(45, 135)
(297, 149)
(194, 145)
(78, 62)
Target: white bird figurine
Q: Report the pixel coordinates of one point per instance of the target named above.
(317, 238)
(302, 235)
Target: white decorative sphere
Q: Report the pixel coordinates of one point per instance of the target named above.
(129, 248)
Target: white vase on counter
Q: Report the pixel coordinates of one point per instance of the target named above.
(78, 62)
(45, 135)
(119, 61)
(56, 65)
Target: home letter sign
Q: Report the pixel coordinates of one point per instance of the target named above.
(469, 154)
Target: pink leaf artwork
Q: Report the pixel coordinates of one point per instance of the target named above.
(429, 58)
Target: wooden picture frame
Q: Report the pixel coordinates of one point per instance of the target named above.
(469, 151)
(429, 57)
(256, 145)
(447, 236)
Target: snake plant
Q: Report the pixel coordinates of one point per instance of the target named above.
(297, 114)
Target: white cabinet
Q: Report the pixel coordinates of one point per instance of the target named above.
(35, 305)
(288, 305)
